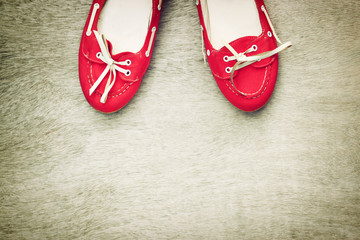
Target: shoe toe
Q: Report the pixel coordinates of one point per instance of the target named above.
(253, 87)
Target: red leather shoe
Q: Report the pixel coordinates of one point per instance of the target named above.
(115, 50)
(241, 48)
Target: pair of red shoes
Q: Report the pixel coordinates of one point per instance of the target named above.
(239, 38)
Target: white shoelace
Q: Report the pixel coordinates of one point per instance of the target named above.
(153, 30)
(242, 60)
(91, 22)
(112, 67)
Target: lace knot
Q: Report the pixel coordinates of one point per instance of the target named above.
(241, 57)
(111, 68)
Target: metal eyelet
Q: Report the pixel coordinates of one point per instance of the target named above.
(228, 69)
(269, 34)
(128, 73)
(254, 47)
(98, 55)
(226, 58)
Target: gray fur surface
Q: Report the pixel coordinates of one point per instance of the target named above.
(180, 162)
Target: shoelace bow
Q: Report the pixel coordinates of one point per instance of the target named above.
(242, 60)
(111, 68)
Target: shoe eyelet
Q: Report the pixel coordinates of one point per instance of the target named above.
(128, 62)
(208, 52)
(88, 33)
(228, 69)
(128, 73)
(226, 58)
(269, 34)
(263, 8)
(96, 5)
(254, 47)
(98, 55)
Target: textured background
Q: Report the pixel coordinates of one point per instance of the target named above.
(180, 162)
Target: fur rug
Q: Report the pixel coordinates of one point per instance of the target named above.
(180, 162)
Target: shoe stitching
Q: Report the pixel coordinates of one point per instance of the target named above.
(265, 82)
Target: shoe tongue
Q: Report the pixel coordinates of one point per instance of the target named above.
(110, 49)
(118, 56)
(242, 44)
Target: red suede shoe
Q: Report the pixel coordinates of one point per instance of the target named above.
(241, 49)
(115, 50)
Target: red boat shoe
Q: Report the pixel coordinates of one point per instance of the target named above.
(241, 49)
(115, 50)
